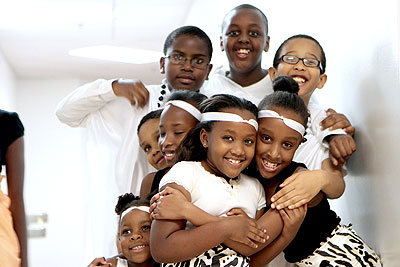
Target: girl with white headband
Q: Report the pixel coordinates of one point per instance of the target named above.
(180, 115)
(134, 234)
(321, 240)
(210, 180)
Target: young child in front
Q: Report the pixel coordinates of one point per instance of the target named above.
(180, 114)
(218, 150)
(110, 110)
(321, 239)
(134, 234)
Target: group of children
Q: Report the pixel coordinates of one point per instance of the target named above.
(227, 188)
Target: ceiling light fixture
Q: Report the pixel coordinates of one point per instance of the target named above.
(117, 53)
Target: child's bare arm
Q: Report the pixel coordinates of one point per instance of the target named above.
(145, 187)
(303, 186)
(292, 220)
(15, 180)
(171, 243)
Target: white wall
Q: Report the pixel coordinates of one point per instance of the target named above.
(53, 177)
(361, 42)
(7, 85)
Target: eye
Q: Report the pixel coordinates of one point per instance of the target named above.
(179, 132)
(146, 227)
(249, 142)
(266, 138)
(287, 145)
(228, 138)
(199, 61)
(253, 34)
(177, 57)
(147, 149)
(232, 33)
(125, 231)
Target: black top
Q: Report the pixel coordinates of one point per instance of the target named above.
(11, 128)
(156, 181)
(317, 226)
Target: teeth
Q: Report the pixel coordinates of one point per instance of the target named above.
(139, 247)
(234, 161)
(169, 154)
(270, 164)
(299, 79)
(243, 51)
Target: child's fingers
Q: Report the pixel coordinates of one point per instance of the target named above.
(282, 193)
(289, 180)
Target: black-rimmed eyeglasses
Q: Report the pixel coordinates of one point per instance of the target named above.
(197, 62)
(308, 62)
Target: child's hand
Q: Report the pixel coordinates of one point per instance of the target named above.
(133, 90)
(245, 230)
(169, 204)
(99, 262)
(297, 190)
(335, 121)
(341, 147)
(237, 211)
(292, 220)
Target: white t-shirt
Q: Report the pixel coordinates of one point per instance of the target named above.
(218, 83)
(214, 194)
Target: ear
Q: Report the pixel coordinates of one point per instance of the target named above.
(204, 138)
(162, 65)
(272, 73)
(221, 44)
(266, 48)
(209, 70)
(322, 80)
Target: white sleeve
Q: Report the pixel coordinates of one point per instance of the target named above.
(87, 99)
(181, 174)
(317, 114)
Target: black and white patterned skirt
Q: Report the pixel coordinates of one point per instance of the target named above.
(219, 256)
(344, 248)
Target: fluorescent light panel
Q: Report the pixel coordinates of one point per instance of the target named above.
(117, 53)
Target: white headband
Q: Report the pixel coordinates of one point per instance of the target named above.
(223, 116)
(298, 127)
(142, 208)
(186, 107)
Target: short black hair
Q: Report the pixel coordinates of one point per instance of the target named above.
(191, 147)
(285, 95)
(248, 6)
(129, 200)
(155, 114)
(191, 31)
(277, 56)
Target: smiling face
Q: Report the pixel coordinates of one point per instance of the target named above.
(276, 143)
(308, 78)
(244, 38)
(186, 77)
(148, 140)
(230, 145)
(175, 123)
(135, 236)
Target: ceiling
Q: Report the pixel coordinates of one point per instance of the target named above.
(36, 35)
